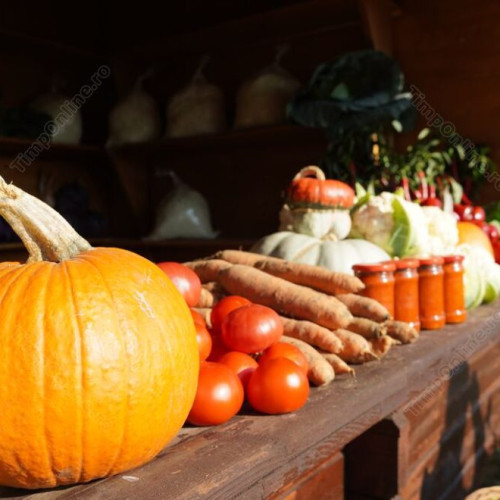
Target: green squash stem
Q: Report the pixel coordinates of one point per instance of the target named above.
(45, 233)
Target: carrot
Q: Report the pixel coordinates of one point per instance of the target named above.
(312, 333)
(239, 257)
(338, 364)
(320, 371)
(367, 328)
(207, 298)
(315, 277)
(365, 307)
(401, 331)
(210, 294)
(381, 345)
(206, 269)
(284, 297)
(356, 349)
(206, 313)
(214, 287)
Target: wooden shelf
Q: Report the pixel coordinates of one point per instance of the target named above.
(268, 456)
(12, 146)
(255, 137)
(24, 40)
(180, 250)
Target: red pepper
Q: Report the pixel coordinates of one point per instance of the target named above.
(465, 200)
(432, 201)
(424, 187)
(405, 183)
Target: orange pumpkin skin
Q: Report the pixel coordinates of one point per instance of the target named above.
(310, 188)
(98, 367)
(474, 235)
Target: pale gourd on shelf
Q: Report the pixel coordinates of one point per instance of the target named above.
(317, 206)
(198, 108)
(337, 256)
(66, 124)
(135, 118)
(182, 213)
(314, 221)
(262, 99)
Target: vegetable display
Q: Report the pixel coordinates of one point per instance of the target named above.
(320, 311)
(99, 362)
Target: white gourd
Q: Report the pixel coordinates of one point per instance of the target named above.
(135, 118)
(334, 222)
(262, 99)
(197, 109)
(337, 256)
(68, 123)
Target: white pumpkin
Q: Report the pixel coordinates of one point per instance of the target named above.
(333, 223)
(334, 255)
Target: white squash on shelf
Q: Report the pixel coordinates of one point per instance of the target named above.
(67, 123)
(334, 255)
(135, 118)
(182, 213)
(198, 108)
(262, 99)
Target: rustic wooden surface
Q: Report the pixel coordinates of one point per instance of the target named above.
(256, 456)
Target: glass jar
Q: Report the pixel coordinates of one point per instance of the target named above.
(454, 299)
(379, 282)
(406, 304)
(431, 293)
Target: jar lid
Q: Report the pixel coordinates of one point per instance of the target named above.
(375, 267)
(431, 261)
(407, 263)
(453, 258)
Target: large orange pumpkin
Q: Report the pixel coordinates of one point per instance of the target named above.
(98, 354)
(474, 235)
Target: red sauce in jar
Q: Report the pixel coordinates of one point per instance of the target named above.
(454, 300)
(406, 302)
(431, 293)
(379, 282)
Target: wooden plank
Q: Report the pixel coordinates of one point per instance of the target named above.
(325, 482)
(252, 455)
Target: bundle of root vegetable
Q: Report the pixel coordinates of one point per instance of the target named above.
(322, 311)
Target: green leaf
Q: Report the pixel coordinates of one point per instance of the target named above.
(341, 91)
(423, 133)
(398, 127)
(401, 236)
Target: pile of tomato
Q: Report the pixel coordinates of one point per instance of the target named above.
(242, 358)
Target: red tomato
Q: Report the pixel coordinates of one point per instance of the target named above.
(465, 212)
(218, 348)
(219, 395)
(496, 249)
(204, 340)
(284, 350)
(478, 213)
(197, 317)
(242, 364)
(493, 233)
(278, 386)
(432, 202)
(251, 329)
(223, 308)
(184, 279)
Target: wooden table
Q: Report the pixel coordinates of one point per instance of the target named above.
(362, 437)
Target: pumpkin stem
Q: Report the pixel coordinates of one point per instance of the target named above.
(46, 234)
(310, 171)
